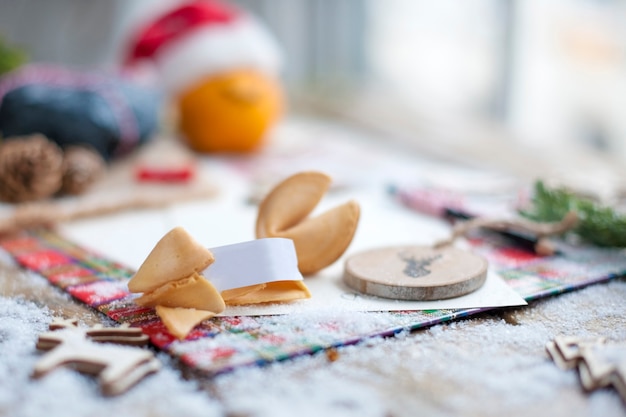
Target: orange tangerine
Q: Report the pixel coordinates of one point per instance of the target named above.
(230, 112)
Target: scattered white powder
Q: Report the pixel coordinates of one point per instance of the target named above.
(479, 367)
(482, 366)
(65, 393)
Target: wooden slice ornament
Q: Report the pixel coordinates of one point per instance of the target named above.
(416, 273)
(437, 272)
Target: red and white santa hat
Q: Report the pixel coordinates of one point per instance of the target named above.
(203, 37)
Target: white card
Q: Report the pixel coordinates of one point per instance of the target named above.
(329, 293)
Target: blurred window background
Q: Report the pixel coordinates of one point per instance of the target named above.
(549, 74)
(438, 74)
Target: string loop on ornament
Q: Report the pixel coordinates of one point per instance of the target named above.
(540, 230)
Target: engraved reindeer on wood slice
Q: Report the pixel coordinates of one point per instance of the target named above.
(97, 351)
(416, 268)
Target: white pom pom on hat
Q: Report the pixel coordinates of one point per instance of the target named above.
(200, 38)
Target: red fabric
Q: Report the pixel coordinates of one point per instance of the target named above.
(176, 23)
(176, 174)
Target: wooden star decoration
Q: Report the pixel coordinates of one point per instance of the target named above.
(566, 351)
(97, 351)
(600, 364)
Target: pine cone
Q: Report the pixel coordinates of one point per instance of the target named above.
(30, 168)
(81, 168)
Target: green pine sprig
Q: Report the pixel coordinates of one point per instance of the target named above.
(10, 57)
(599, 225)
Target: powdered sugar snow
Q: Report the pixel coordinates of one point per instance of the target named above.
(480, 366)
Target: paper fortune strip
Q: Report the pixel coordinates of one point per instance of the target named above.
(255, 262)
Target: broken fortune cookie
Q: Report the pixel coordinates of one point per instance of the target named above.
(319, 240)
(187, 283)
(169, 278)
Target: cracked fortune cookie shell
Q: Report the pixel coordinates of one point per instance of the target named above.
(320, 240)
(176, 256)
